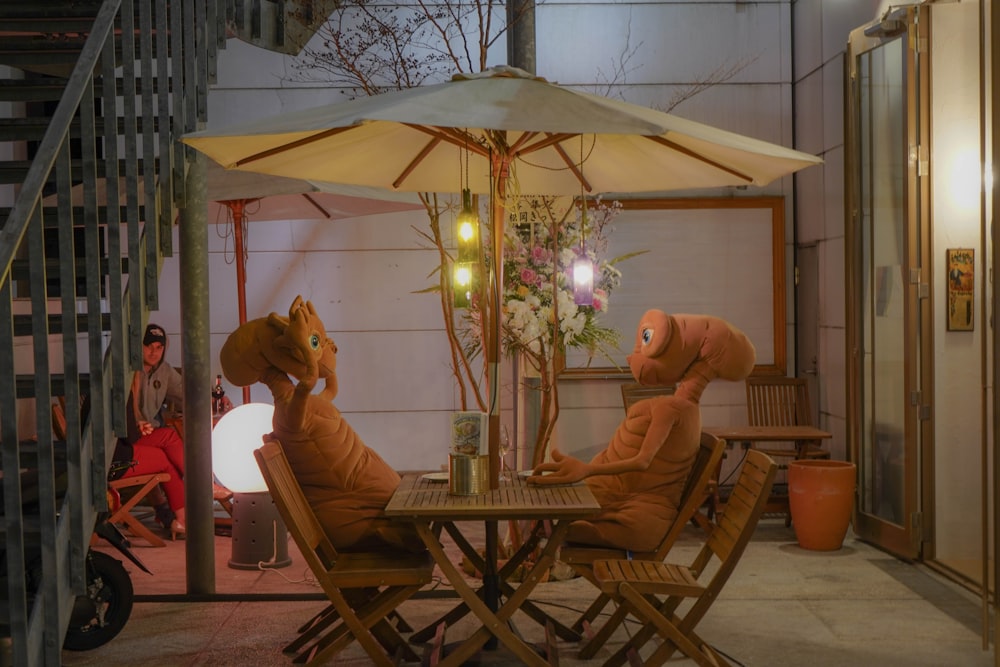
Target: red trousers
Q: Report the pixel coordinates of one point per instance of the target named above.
(162, 451)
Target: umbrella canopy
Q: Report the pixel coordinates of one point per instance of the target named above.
(499, 131)
(266, 197)
(417, 139)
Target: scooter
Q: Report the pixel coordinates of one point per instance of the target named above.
(100, 614)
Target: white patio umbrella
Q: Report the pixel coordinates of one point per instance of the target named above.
(493, 132)
(239, 196)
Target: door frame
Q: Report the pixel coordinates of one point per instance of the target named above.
(910, 538)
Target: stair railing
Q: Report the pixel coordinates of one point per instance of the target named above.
(83, 346)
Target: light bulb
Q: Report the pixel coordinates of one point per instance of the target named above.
(462, 284)
(467, 230)
(583, 281)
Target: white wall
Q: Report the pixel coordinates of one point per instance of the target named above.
(820, 32)
(955, 223)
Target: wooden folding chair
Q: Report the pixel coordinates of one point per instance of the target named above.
(635, 585)
(145, 484)
(701, 484)
(140, 486)
(782, 401)
(363, 588)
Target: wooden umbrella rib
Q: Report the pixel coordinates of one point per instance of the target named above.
(453, 135)
(574, 167)
(701, 158)
(416, 161)
(518, 147)
(554, 140)
(284, 148)
(549, 140)
(318, 206)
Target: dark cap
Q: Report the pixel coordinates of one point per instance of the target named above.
(154, 334)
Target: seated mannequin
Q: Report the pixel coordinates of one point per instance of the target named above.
(346, 482)
(639, 477)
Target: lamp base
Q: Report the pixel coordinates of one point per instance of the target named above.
(260, 539)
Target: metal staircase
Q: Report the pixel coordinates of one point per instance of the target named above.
(93, 95)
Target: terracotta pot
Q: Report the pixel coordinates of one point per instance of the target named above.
(821, 499)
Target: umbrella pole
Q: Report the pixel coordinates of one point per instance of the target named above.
(238, 208)
(501, 169)
(491, 579)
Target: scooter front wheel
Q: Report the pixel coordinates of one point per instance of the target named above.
(101, 614)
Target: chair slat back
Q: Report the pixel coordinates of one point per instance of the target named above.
(699, 481)
(633, 392)
(733, 530)
(778, 401)
(744, 507)
(291, 502)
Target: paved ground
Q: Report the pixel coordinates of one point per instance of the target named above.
(784, 606)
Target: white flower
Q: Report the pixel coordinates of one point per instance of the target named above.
(532, 264)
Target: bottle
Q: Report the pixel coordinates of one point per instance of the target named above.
(218, 394)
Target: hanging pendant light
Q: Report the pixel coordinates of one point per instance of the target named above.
(583, 266)
(583, 278)
(583, 281)
(467, 237)
(467, 230)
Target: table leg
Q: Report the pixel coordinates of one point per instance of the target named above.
(477, 560)
(491, 580)
(519, 596)
(494, 622)
(461, 609)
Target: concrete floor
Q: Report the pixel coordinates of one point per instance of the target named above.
(783, 606)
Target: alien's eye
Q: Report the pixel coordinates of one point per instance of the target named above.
(314, 341)
(647, 336)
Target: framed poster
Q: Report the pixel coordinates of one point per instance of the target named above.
(722, 257)
(961, 289)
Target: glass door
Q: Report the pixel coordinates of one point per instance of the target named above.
(886, 287)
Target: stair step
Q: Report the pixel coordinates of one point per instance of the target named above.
(13, 172)
(25, 385)
(53, 9)
(28, 450)
(49, 25)
(50, 89)
(50, 215)
(19, 269)
(32, 50)
(54, 16)
(23, 325)
(33, 129)
(46, 89)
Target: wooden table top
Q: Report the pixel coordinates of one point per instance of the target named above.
(417, 497)
(767, 433)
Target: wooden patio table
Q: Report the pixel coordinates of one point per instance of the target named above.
(431, 508)
(802, 436)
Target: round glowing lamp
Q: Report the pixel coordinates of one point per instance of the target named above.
(234, 439)
(260, 539)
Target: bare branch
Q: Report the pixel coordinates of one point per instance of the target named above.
(721, 74)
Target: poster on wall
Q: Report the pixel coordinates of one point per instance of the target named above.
(961, 278)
